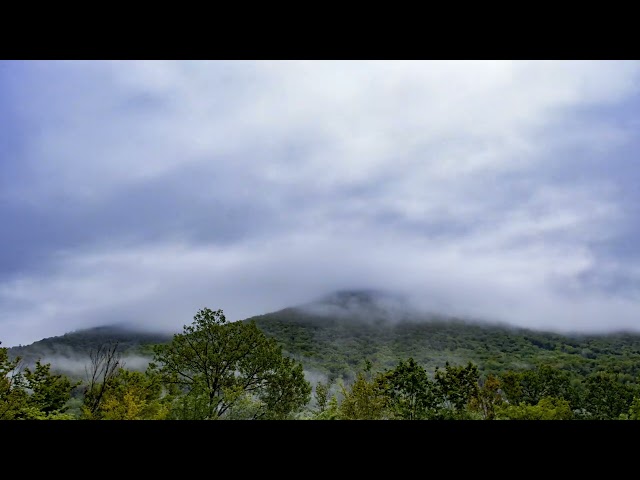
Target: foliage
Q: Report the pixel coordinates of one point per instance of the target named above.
(336, 346)
(364, 399)
(530, 386)
(456, 387)
(229, 369)
(332, 412)
(547, 408)
(634, 410)
(13, 398)
(607, 396)
(32, 394)
(488, 399)
(49, 393)
(253, 369)
(133, 396)
(410, 394)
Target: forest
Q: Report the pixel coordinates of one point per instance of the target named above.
(291, 365)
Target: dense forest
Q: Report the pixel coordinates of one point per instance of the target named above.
(304, 364)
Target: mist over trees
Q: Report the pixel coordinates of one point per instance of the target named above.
(32, 394)
(261, 369)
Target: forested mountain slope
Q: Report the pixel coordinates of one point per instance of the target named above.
(337, 334)
(338, 342)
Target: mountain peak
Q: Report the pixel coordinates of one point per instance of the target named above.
(369, 304)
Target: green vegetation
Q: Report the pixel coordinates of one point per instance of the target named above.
(335, 347)
(36, 394)
(259, 368)
(229, 370)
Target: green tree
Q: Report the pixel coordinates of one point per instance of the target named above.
(134, 396)
(456, 387)
(488, 398)
(13, 398)
(410, 393)
(634, 410)
(326, 404)
(322, 396)
(364, 399)
(548, 408)
(607, 397)
(49, 393)
(332, 412)
(32, 394)
(530, 386)
(230, 370)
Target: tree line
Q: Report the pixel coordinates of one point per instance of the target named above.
(216, 369)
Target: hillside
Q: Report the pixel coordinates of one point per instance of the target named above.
(332, 337)
(336, 334)
(69, 353)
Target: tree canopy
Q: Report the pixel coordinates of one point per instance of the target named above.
(32, 394)
(230, 370)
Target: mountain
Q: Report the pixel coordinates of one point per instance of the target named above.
(371, 306)
(69, 353)
(337, 333)
(334, 335)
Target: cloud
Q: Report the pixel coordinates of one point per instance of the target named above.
(146, 190)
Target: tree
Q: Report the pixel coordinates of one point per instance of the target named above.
(325, 405)
(488, 398)
(32, 394)
(607, 397)
(530, 386)
(332, 412)
(13, 398)
(229, 370)
(105, 363)
(49, 393)
(322, 396)
(548, 408)
(634, 410)
(134, 396)
(456, 386)
(410, 393)
(364, 399)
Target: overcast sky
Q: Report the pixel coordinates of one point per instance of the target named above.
(143, 191)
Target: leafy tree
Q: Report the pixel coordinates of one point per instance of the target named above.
(49, 393)
(456, 387)
(326, 405)
(607, 397)
(548, 408)
(284, 387)
(511, 387)
(488, 398)
(332, 412)
(530, 386)
(230, 370)
(13, 398)
(32, 394)
(410, 393)
(634, 410)
(364, 399)
(322, 396)
(133, 396)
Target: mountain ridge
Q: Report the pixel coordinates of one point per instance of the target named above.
(336, 333)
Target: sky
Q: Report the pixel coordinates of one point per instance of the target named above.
(143, 191)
